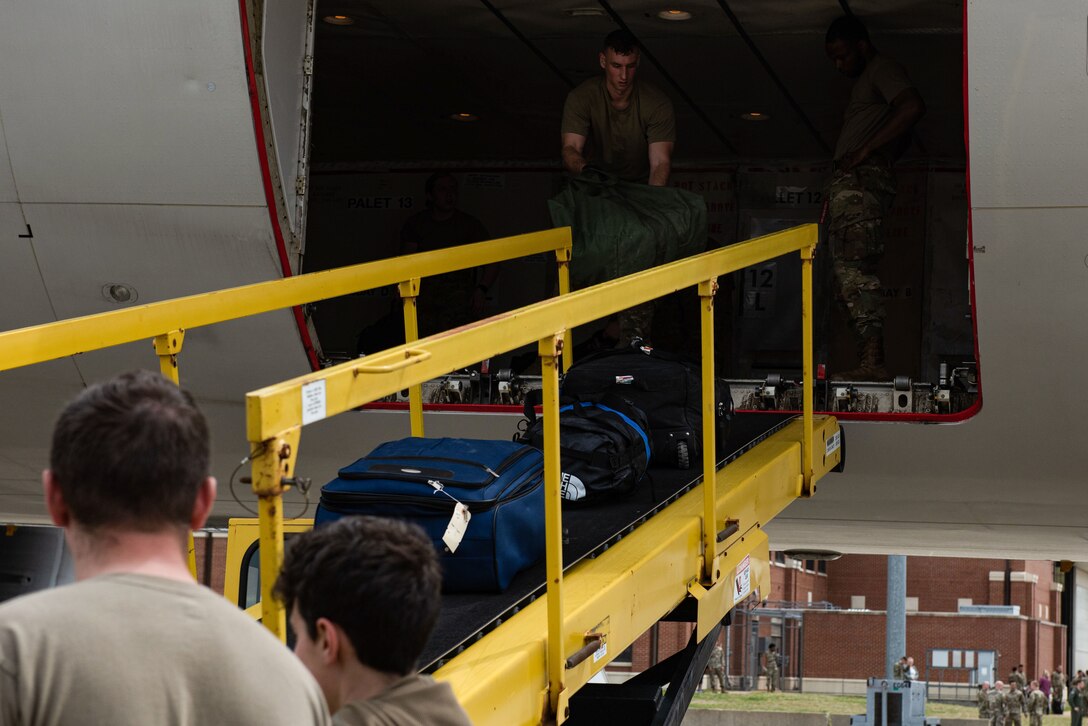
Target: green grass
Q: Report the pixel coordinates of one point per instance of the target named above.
(819, 703)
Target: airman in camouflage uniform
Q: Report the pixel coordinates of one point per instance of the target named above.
(771, 662)
(1036, 705)
(1017, 676)
(1014, 704)
(982, 698)
(716, 668)
(884, 106)
(899, 669)
(1057, 690)
(996, 698)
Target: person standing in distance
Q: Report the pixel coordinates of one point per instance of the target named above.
(455, 298)
(884, 106)
(135, 641)
(630, 125)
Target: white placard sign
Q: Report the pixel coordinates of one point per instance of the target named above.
(313, 402)
(833, 443)
(742, 582)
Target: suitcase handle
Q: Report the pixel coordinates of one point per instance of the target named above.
(411, 357)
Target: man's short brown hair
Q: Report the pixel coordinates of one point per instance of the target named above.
(378, 579)
(131, 453)
(621, 41)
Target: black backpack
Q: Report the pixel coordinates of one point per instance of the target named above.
(666, 387)
(604, 446)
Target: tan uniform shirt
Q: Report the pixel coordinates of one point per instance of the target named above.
(416, 700)
(128, 649)
(870, 104)
(619, 140)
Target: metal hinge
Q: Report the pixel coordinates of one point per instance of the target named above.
(300, 185)
(308, 65)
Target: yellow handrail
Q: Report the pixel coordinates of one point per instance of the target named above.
(39, 343)
(275, 414)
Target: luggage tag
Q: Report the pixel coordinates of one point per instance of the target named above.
(455, 530)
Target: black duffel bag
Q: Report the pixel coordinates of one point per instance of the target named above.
(604, 446)
(666, 387)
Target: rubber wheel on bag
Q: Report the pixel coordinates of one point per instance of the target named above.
(683, 459)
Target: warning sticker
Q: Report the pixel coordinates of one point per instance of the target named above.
(600, 652)
(834, 443)
(742, 581)
(313, 402)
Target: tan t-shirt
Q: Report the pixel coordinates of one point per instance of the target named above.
(619, 140)
(870, 104)
(415, 700)
(134, 649)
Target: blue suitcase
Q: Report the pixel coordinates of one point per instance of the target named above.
(501, 483)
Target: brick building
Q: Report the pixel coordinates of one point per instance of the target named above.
(827, 619)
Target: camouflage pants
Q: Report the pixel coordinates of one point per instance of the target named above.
(1035, 719)
(858, 201)
(772, 679)
(1013, 719)
(717, 679)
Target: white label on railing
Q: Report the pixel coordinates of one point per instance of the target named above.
(742, 582)
(833, 444)
(600, 652)
(313, 402)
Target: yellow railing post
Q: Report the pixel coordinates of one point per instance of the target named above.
(562, 259)
(409, 293)
(271, 467)
(807, 382)
(167, 347)
(707, 291)
(551, 349)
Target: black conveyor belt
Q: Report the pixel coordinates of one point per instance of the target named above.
(588, 532)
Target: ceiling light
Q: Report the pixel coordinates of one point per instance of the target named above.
(588, 12)
(674, 14)
(755, 116)
(339, 20)
(464, 117)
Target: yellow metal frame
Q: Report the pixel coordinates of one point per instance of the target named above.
(242, 532)
(40, 343)
(275, 414)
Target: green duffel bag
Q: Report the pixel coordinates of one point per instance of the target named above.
(624, 227)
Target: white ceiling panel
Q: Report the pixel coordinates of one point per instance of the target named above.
(134, 101)
(1028, 89)
(25, 299)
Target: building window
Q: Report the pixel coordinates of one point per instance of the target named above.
(912, 604)
(857, 602)
(624, 658)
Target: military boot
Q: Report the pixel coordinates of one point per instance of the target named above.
(871, 368)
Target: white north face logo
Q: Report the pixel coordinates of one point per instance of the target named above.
(573, 488)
